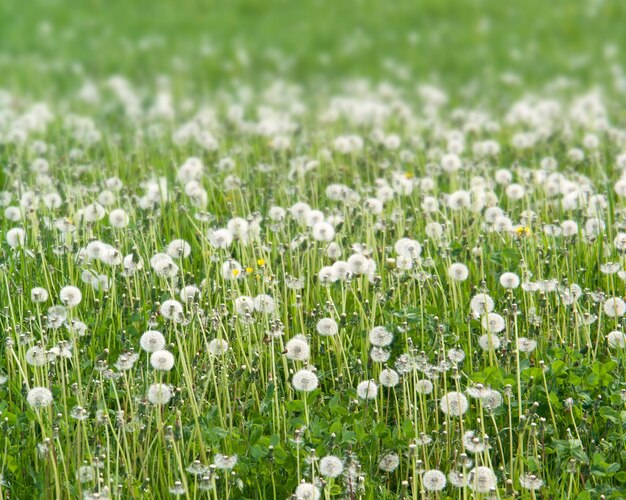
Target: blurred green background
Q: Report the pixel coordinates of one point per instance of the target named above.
(48, 45)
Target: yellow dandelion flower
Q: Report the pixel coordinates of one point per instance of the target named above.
(260, 262)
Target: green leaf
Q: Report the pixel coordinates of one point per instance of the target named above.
(258, 452)
(610, 414)
(336, 427)
(613, 468)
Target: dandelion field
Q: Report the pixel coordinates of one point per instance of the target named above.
(312, 251)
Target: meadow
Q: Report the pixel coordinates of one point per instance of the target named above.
(313, 250)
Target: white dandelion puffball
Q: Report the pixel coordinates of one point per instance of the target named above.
(408, 247)
(178, 249)
(509, 280)
(456, 355)
(218, 347)
(614, 307)
(38, 397)
(70, 296)
(458, 272)
(162, 360)
(525, 344)
(493, 323)
(359, 264)
(220, 238)
(299, 211)
(152, 341)
(225, 462)
(13, 213)
(36, 356)
(244, 305)
(39, 295)
(481, 303)
(473, 443)
(616, 339)
(367, 389)
(93, 212)
(308, 491)
(531, 482)
(331, 466)
(239, 228)
(323, 231)
(454, 404)
(515, 191)
(620, 242)
(189, 293)
(264, 304)
(15, 237)
(389, 462)
(277, 214)
(327, 327)
(379, 336)
(118, 218)
(305, 381)
(333, 250)
(159, 394)
(297, 349)
(481, 479)
(457, 479)
(569, 228)
(491, 399)
(434, 480)
(379, 355)
(171, 309)
(85, 474)
(424, 386)
(489, 342)
(388, 378)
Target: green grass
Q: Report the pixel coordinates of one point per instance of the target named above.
(236, 70)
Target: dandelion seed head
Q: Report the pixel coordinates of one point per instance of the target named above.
(509, 280)
(307, 491)
(531, 482)
(70, 296)
(482, 303)
(305, 381)
(458, 272)
(327, 327)
(493, 323)
(389, 462)
(379, 336)
(218, 347)
(434, 480)
(159, 394)
(614, 307)
(454, 404)
(616, 339)
(152, 341)
(368, 389)
(489, 342)
(225, 462)
(162, 360)
(481, 479)
(388, 378)
(331, 466)
(39, 397)
(297, 349)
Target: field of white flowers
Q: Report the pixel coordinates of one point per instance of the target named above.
(371, 289)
